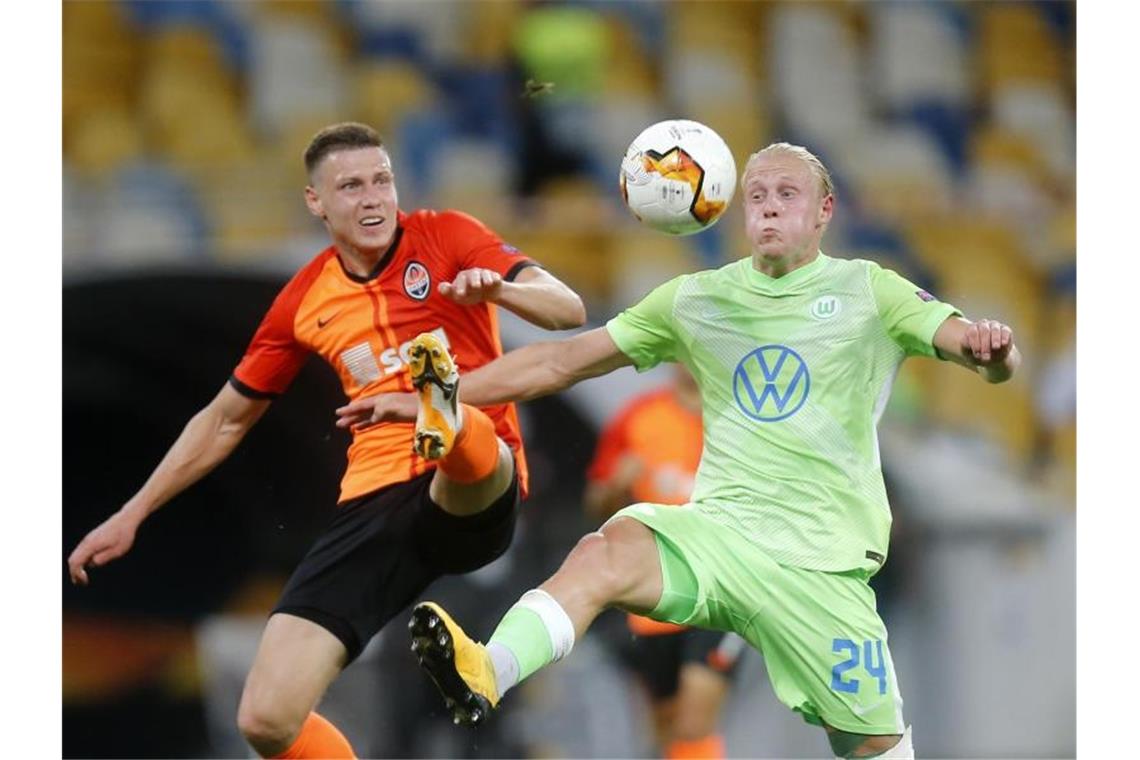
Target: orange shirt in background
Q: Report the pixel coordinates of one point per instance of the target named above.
(666, 437)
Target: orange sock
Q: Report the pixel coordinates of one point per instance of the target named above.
(475, 453)
(319, 738)
(712, 746)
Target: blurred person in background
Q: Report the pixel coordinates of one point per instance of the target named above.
(794, 353)
(404, 517)
(649, 452)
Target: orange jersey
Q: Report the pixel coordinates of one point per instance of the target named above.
(666, 438)
(362, 326)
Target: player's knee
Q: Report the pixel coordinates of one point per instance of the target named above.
(601, 575)
(268, 730)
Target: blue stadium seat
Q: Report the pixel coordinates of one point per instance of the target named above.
(222, 21)
(949, 126)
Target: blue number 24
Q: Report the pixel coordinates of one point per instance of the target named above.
(874, 669)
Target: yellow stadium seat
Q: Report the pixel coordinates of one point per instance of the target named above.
(192, 120)
(994, 146)
(745, 128)
(190, 46)
(1001, 413)
(579, 257)
(1016, 46)
(384, 91)
(251, 206)
(981, 266)
(981, 269)
(104, 140)
(631, 71)
(101, 61)
(1063, 459)
(490, 30)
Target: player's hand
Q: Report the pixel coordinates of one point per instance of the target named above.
(989, 341)
(372, 410)
(472, 286)
(111, 540)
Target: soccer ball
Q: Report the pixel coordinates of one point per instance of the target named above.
(678, 177)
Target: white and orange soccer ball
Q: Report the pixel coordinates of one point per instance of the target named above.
(678, 177)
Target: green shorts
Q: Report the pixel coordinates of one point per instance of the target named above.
(822, 639)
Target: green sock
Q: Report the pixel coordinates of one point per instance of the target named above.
(523, 634)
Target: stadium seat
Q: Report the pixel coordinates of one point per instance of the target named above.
(1015, 45)
(384, 91)
(101, 62)
(250, 205)
(296, 71)
(487, 34)
(817, 73)
(104, 140)
(430, 34)
(147, 214)
(1043, 115)
(983, 270)
(642, 260)
(916, 56)
(472, 175)
(899, 173)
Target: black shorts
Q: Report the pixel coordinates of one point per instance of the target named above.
(382, 550)
(657, 659)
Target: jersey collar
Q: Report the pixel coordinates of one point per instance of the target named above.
(383, 262)
(786, 284)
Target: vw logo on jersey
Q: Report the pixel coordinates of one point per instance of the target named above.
(771, 383)
(825, 307)
(417, 281)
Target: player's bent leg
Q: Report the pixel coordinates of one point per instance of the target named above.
(463, 497)
(475, 466)
(848, 745)
(617, 565)
(295, 663)
(700, 697)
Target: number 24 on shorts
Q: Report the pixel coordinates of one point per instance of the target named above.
(873, 663)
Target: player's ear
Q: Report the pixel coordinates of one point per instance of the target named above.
(313, 201)
(825, 210)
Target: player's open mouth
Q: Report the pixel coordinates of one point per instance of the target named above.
(372, 221)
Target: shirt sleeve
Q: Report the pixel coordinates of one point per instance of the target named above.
(909, 314)
(646, 332)
(274, 357)
(476, 245)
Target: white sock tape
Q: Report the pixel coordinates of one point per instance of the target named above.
(903, 750)
(558, 624)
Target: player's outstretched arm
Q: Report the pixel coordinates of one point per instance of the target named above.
(985, 346)
(207, 439)
(535, 295)
(525, 373)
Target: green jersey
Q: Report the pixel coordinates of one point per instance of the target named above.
(794, 373)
